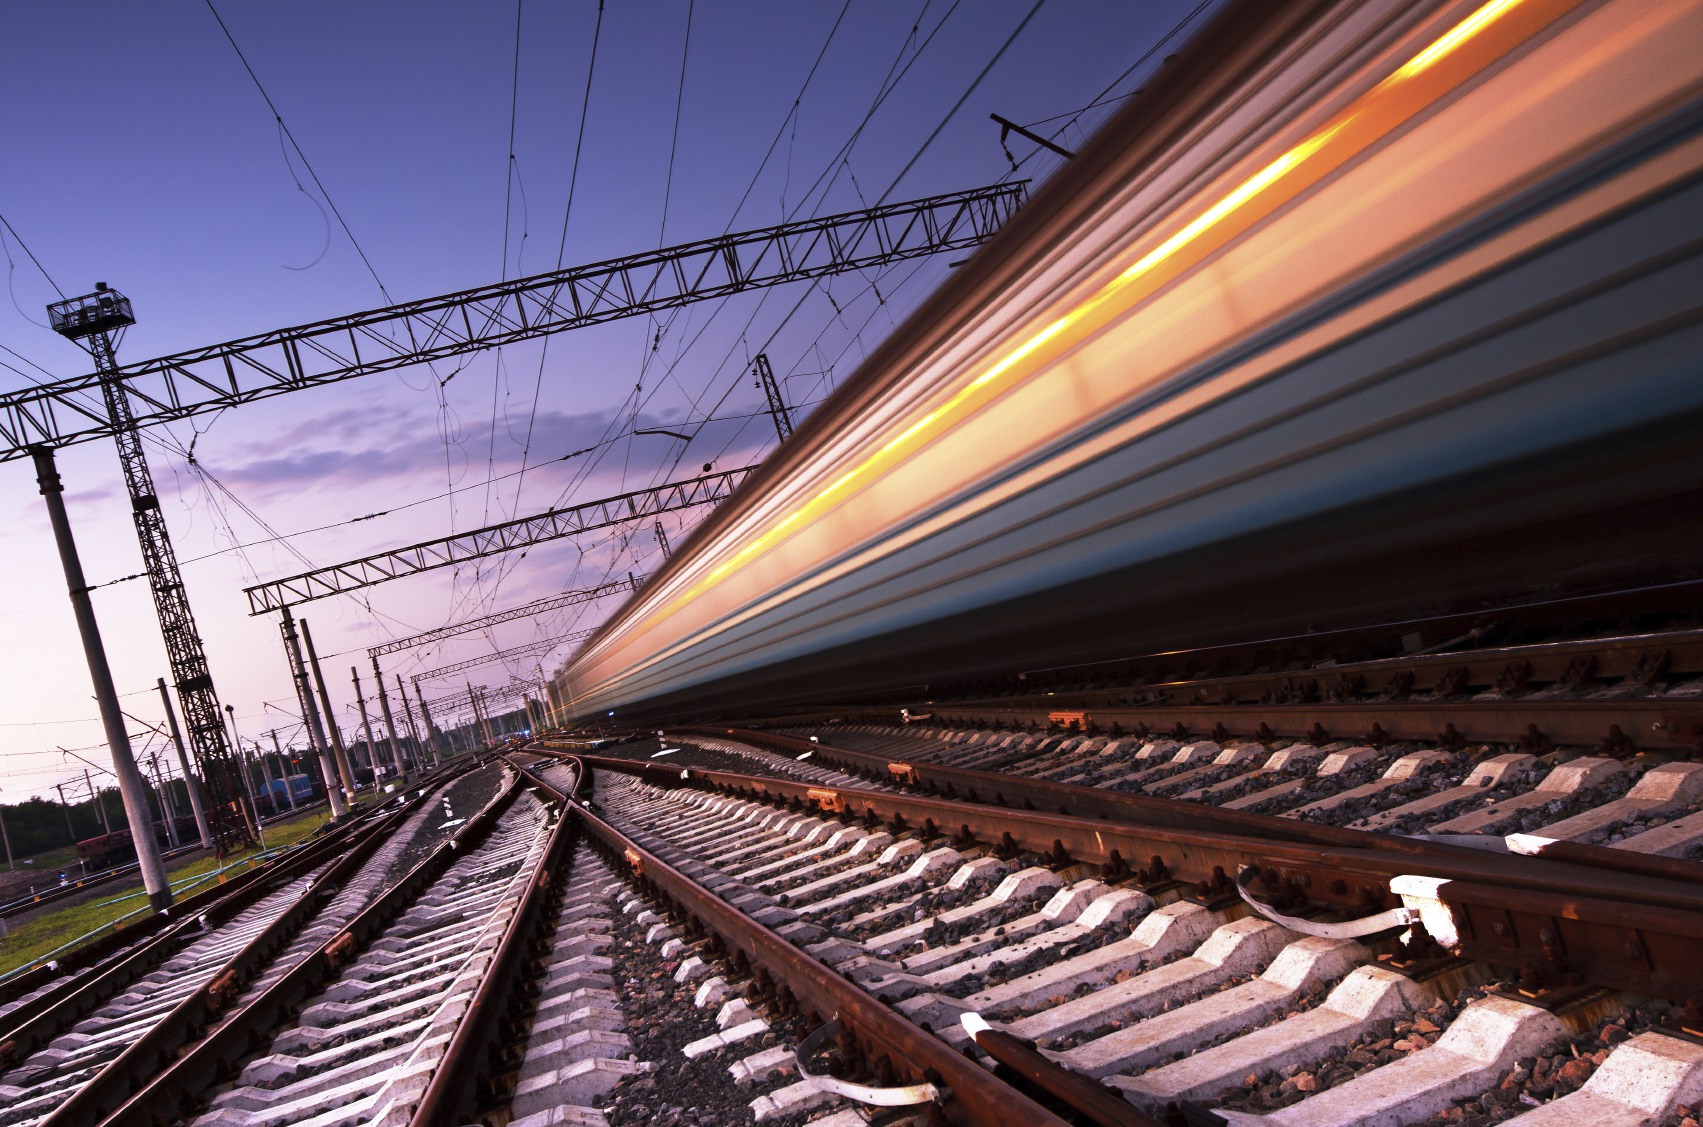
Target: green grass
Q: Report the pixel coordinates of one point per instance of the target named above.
(49, 932)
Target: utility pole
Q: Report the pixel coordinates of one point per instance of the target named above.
(426, 719)
(366, 723)
(6, 837)
(546, 709)
(772, 392)
(96, 322)
(310, 713)
(190, 782)
(165, 808)
(99, 802)
(70, 830)
(247, 779)
(418, 755)
(283, 770)
(482, 709)
(389, 721)
(342, 754)
(662, 540)
(131, 786)
(482, 733)
(170, 800)
(265, 780)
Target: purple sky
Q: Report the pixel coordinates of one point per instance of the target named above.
(141, 154)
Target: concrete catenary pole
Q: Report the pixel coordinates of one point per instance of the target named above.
(165, 804)
(389, 722)
(342, 754)
(283, 769)
(310, 714)
(247, 779)
(97, 801)
(417, 754)
(482, 733)
(366, 721)
(130, 785)
(190, 782)
(426, 719)
(70, 830)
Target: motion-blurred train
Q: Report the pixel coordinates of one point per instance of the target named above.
(1358, 309)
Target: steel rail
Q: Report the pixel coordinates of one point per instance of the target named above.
(174, 1093)
(121, 944)
(161, 1043)
(1616, 726)
(1557, 939)
(1189, 853)
(977, 1098)
(1352, 881)
(1094, 1102)
(470, 1058)
(39, 1019)
(1022, 792)
(43, 1015)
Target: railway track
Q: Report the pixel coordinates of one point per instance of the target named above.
(1189, 1005)
(596, 940)
(1650, 804)
(78, 1030)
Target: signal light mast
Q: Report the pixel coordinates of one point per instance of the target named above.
(96, 322)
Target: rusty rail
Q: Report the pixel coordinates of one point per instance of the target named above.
(1094, 1102)
(1639, 658)
(1617, 727)
(1024, 793)
(889, 1041)
(1603, 907)
(469, 1061)
(1019, 792)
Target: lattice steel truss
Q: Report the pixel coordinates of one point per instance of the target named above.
(502, 694)
(530, 649)
(285, 360)
(451, 550)
(772, 393)
(530, 610)
(202, 716)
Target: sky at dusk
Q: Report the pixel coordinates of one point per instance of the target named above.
(139, 152)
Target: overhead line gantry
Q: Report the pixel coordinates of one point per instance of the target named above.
(529, 610)
(530, 649)
(36, 421)
(448, 551)
(201, 380)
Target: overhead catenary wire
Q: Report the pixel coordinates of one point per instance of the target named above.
(888, 84)
(959, 104)
(561, 253)
(19, 239)
(756, 175)
(294, 144)
(1102, 98)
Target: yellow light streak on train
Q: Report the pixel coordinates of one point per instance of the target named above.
(1375, 114)
(1454, 39)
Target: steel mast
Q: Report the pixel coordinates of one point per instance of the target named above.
(95, 322)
